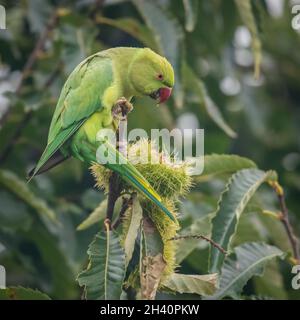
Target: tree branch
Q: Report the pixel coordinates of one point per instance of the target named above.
(284, 218)
(213, 243)
(120, 111)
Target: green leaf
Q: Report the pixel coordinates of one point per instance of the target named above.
(132, 27)
(192, 82)
(104, 276)
(251, 259)
(95, 217)
(239, 190)
(131, 223)
(14, 184)
(20, 293)
(191, 12)
(169, 37)
(189, 283)
(245, 10)
(218, 164)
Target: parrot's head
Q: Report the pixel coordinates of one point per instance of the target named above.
(152, 75)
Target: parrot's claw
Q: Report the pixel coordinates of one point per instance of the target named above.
(121, 108)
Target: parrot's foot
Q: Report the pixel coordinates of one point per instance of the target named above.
(121, 108)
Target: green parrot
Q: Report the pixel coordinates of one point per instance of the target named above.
(87, 102)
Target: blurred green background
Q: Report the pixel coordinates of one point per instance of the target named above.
(258, 119)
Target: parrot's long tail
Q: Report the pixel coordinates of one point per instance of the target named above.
(130, 174)
(56, 159)
(145, 188)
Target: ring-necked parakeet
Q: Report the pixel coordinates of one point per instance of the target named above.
(86, 102)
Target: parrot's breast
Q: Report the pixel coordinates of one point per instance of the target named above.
(97, 121)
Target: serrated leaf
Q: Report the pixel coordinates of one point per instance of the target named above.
(20, 293)
(95, 217)
(218, 164)
(245, 10)
(134, 216)
(169, 37)
(239, 190)
(192, 82)
(104, 276)
(15, 185)
(251, 259)
(191, 12)
(191, 283)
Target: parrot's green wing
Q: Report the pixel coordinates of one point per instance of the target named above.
(80, 98)
(114, 160)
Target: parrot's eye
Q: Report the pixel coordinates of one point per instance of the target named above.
(160, 76)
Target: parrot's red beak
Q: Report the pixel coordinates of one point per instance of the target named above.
(161, 95)
(164, 94)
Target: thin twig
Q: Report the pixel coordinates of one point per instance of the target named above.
(284, 218)
(213, 243)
